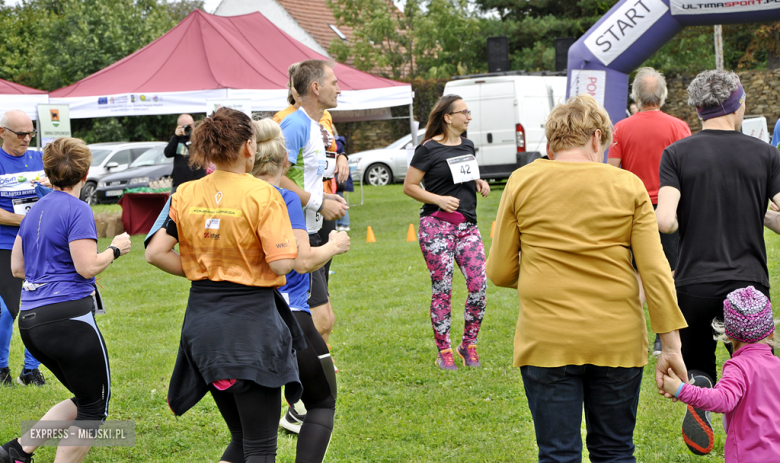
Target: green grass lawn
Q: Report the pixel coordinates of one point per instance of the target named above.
(394, 405)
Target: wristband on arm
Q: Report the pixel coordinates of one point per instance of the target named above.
(679, 390)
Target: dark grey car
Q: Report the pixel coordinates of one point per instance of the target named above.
(150, 166)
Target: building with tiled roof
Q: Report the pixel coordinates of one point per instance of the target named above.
(317, 19)
(310, 22)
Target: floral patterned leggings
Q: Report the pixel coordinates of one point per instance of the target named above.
(443, 244)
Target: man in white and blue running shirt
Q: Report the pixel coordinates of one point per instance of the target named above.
(19, 168)
(318, 90)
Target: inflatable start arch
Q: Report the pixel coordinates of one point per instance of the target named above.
(601, 60)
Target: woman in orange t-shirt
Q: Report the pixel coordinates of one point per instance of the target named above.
(239, 337)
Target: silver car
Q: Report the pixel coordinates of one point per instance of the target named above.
(109, 158)
(382, 166)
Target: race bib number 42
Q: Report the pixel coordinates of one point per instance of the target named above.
(464, 168)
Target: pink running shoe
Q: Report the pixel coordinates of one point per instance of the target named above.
(445, 361)
(469, 355)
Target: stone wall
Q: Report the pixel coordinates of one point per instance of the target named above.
(368, 135)
(763, 97)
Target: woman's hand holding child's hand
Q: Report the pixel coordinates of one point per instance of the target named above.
(671, 383)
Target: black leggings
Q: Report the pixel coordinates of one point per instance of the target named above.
(700, 304)
(318, 378)
(249, 413)
(65, 338)
(252, 416)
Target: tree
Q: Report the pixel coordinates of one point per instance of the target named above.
(49, 44)
(430, 38)
(20, 28)
(763, 45)
(533, 25)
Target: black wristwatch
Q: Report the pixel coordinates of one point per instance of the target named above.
(117, 252)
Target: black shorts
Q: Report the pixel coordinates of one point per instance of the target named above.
(670, 242)
(10, 286)
(318, 294)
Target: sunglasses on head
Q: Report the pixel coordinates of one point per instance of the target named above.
(22, 135)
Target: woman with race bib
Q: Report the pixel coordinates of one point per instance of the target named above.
(446, 163)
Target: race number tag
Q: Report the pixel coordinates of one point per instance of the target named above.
(330, 164)
(464, 168)
(23, 205)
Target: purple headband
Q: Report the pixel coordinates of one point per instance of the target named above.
(731, 105)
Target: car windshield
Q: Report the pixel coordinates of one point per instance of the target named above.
(152, 157)
(98, 156)
(401, 142)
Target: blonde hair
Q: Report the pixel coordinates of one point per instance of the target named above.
(571, 124)
(271, 150)
(720, 334)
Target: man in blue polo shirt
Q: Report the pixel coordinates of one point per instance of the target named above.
(19, 168)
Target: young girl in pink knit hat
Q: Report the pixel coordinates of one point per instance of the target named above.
(749, 393)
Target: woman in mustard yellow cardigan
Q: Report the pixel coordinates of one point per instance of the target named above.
(565, 231)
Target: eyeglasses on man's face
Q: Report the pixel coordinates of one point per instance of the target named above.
(465, 112)
(22, 135)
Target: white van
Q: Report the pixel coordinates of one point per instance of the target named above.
(509, 111)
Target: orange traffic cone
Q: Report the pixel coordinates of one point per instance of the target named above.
(370, 238)
(492, 229)
(411, 235)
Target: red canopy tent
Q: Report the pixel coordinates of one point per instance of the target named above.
(207, 56)
(15, 96)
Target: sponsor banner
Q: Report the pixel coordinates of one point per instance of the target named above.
(688, 7)
(591, 82)
(239, 104)
(131, 104)
(54, 122)
(135, 102)
(624, 26)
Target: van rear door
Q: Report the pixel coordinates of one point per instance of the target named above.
(498, 148)
(534, 109)
(470, 95)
